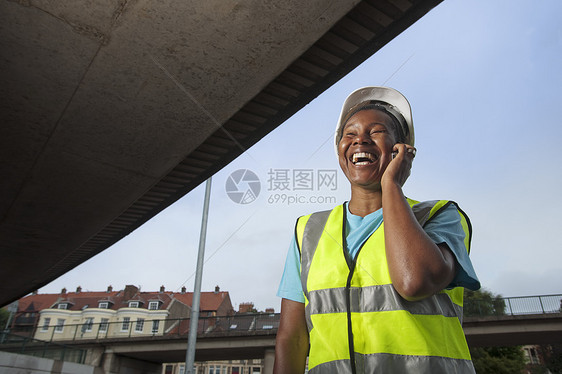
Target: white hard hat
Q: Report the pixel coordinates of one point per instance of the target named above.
(391, 101)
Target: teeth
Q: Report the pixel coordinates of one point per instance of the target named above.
(365, 158)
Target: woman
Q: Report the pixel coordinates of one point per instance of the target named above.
(376, 284)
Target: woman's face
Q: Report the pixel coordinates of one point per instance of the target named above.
(365, 149)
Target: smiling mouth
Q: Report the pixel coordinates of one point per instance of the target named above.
(363, 158)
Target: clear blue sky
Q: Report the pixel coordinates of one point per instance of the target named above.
(483, 78)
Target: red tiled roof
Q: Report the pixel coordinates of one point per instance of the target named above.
(210, 301)
(117, 299)
(34, 303)
(145, 297)
(90, 299)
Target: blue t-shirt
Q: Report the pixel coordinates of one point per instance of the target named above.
(443, 228)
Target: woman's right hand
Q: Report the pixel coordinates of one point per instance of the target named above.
(398, 170)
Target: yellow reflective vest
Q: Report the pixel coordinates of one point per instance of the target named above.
(357, 321)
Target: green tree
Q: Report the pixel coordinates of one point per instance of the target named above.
(483, 303)
(4, 315)
(492, 360)
(498, 360)
(538, 369)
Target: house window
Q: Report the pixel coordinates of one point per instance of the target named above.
(46, 323)
(104, 324)
(103, 305)
(532, 356)
(155, 325)
(87, 327)
(62, 306)
(267, 327)
(256, 370)
(140, 325)
(236, 370)
(59, 327)
(133, 304)
(125, 324)
(153, 305)
(217, 369)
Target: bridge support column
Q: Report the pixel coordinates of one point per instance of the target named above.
(268, 360)
(114, 364)
(94, 356)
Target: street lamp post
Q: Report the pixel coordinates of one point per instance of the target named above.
(192, 338)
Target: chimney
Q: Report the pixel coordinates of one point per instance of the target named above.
(270, 310)
(183, 290)
(109, 288)
(78, 289)
(130, 291)
(63, 291)
(245, 307)
(162, 289)
(217, 289)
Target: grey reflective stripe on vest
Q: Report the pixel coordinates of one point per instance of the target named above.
(382, 298)
(332, 367)
(422, 210)
(391, 363)
(311, 236)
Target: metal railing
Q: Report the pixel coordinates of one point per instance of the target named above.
(33, 347)
(521, 305)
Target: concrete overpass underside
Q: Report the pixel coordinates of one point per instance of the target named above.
(505, 331)
(208, 349)
(112, 110)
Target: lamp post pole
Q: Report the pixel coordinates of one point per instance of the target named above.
(192, 338)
